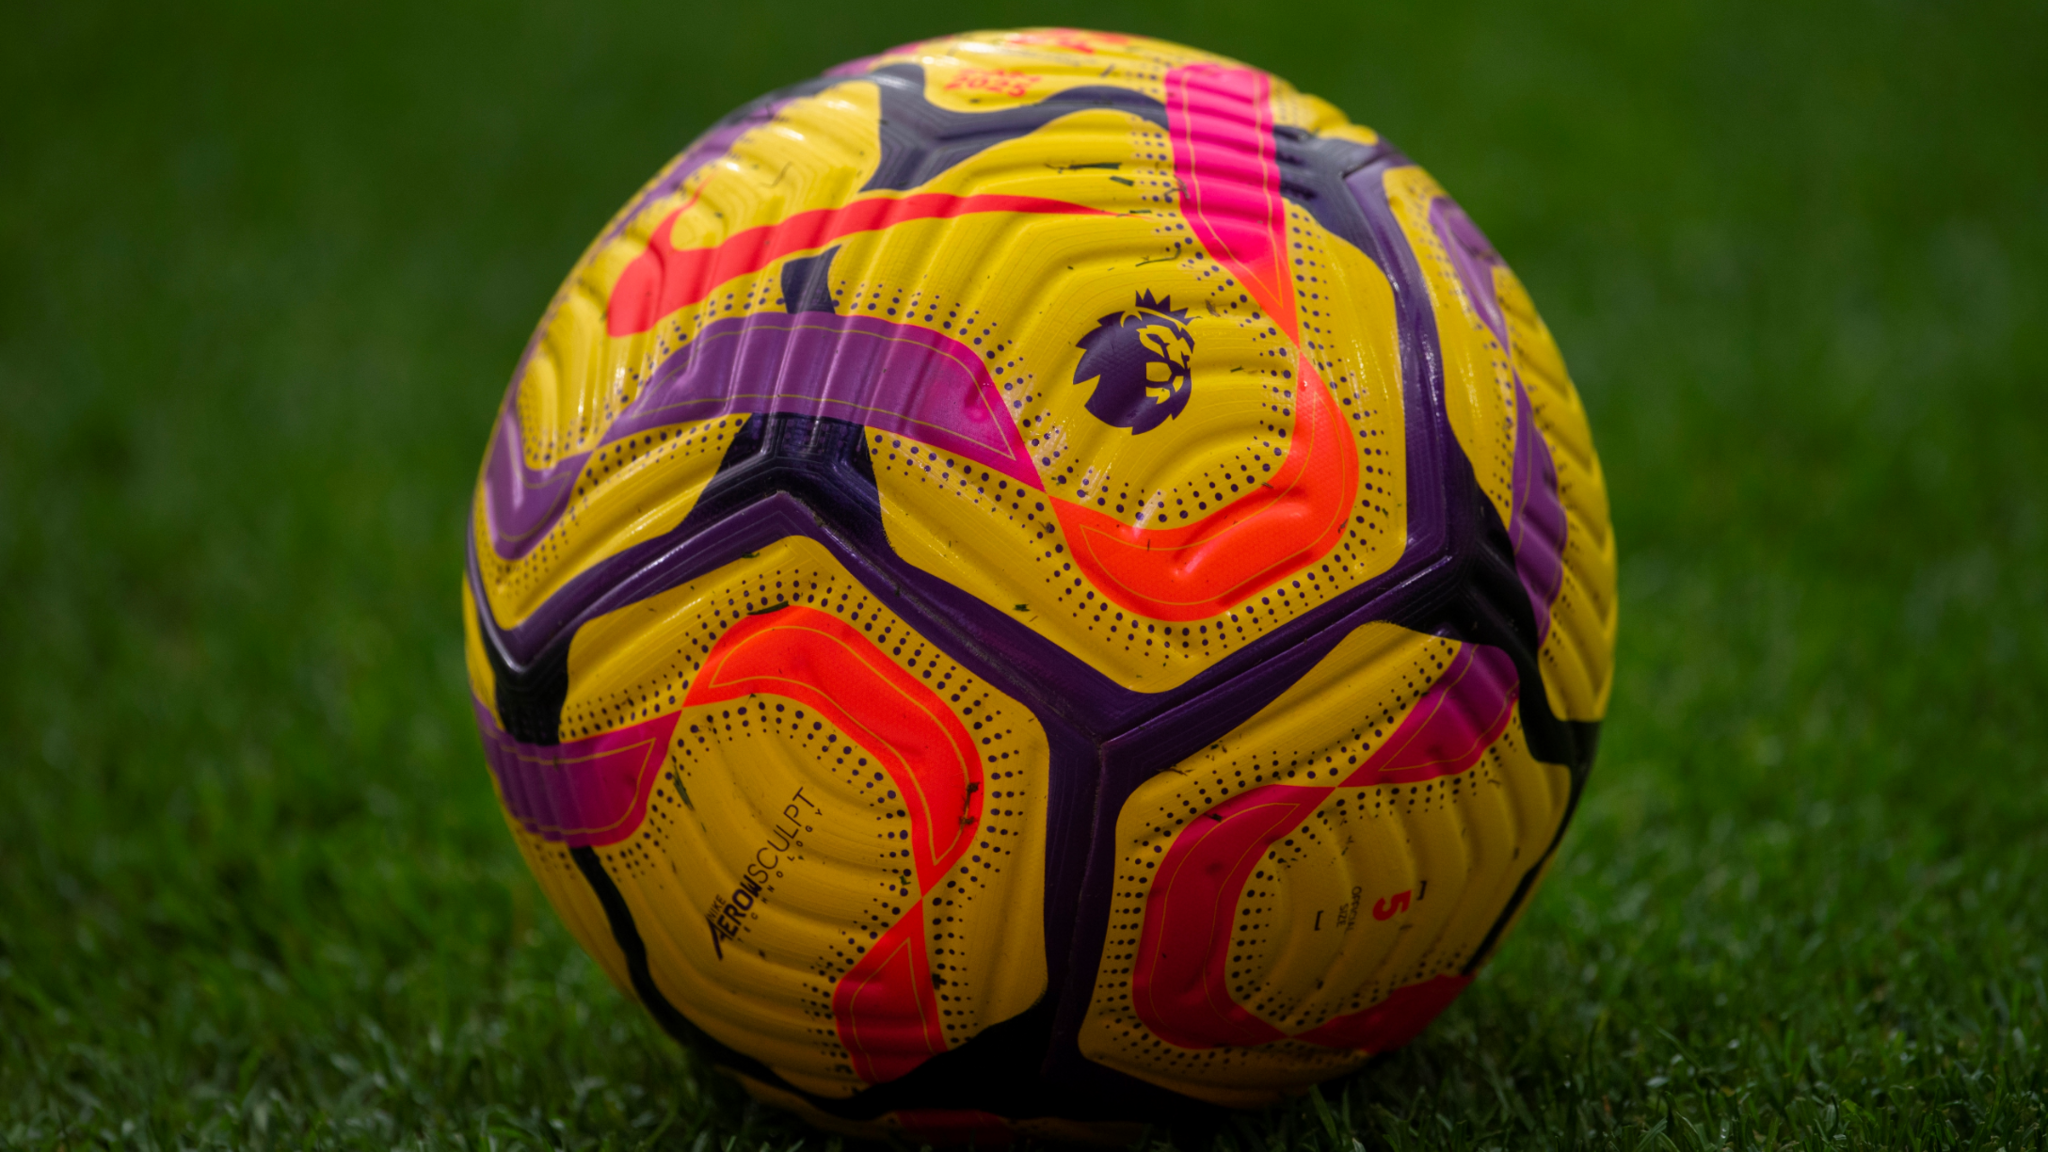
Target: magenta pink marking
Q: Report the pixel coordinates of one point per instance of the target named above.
(1452, 726)
(1180, 983)
(1180, 980)
(1222, 131)
(584, 792)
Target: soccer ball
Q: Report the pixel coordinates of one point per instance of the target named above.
(1039, 581)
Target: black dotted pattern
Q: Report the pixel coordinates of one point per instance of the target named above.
(1347, 825)
(964, 911)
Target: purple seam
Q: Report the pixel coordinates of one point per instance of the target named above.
(507, 439)
(1536, 520)
(896, 378)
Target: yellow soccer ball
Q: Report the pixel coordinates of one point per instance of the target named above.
(1036, 582)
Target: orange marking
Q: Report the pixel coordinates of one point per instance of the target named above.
(1221, 124)
(884, 1007)
(826, 664)
(1207, 567)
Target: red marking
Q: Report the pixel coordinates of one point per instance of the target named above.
(1200, 569)
(664, 278)
(828, 665)
(887, 1015)
(884, 1006)
(1180, 986)
(1392, 1022)
(1453, 724)
(1180, 980)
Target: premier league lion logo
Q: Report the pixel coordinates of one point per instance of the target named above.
(1138, 361)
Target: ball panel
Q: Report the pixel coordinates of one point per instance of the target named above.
(1515, 413)
(1280, 485)
(839, 871)
(589, 356)
(1292, 109)
(1578, 655)
(1479, 389)
(566, 889)
(637, 484)
(1320, 882)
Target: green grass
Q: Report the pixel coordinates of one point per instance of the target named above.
(263, 274)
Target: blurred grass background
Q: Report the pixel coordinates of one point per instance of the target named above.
(264, 271)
